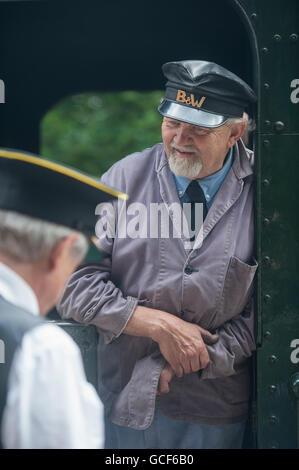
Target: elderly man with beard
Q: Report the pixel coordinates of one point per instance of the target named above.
(175, 317)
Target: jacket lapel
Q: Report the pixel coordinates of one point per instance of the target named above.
(169, 195)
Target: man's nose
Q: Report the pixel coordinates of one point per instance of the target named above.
(182, 136)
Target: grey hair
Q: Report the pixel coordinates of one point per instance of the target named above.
(233, 121)
(28, 239)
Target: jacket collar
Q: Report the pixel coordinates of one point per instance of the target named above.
(243, 161)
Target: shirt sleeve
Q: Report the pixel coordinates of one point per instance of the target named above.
(235, 345)
(50, 405)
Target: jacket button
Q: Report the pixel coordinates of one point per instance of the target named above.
(188, 269)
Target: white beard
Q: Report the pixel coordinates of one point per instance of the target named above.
(188, 167)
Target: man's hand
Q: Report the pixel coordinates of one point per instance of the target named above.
(166, 376)
(181, 343)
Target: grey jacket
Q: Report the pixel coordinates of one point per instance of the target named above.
(214, 292)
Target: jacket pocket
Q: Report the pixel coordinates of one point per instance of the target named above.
(238, 287)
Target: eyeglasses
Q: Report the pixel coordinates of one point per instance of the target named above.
(173, 124)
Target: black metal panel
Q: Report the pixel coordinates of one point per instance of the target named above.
(86, 339)
(51, 49)
(277, 414)
(276, 26)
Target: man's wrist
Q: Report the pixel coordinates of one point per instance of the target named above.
(147, 322)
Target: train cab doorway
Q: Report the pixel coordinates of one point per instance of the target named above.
(54, 50)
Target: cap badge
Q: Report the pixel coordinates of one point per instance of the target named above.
(182, 97)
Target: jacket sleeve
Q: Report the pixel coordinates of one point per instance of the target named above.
(90, 296)
(235, 345)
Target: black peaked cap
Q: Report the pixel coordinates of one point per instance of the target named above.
(47, 190)
(203, 93)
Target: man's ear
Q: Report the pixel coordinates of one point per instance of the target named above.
(61, 251)
(237, 130)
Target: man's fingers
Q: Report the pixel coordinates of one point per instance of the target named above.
(165, 377)
(191, 361)
(208, 337)
(195, 363)
(163, 385)
(204, 358)
(184, 346)
(178, 369)
(185, 362)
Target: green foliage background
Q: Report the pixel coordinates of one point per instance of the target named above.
(91, 131)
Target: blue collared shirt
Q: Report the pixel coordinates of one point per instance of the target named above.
(209, 184)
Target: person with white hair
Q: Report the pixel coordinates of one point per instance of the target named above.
(46, 218)
(175, 310)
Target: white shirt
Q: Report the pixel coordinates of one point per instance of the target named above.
(50, 405)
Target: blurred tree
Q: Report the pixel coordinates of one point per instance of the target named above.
(91, 131)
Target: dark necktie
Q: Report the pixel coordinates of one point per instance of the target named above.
(196, 195)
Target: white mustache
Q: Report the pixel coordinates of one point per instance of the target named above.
(187, 148)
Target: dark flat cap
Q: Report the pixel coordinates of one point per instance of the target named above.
(203, 93)
(47, 190)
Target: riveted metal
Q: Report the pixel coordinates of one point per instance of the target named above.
(267, 334)
(272, 389)
(265, 50)
(273, 419)
(266, 182)
(277, 37)
(267, 123)
(278, 127)
(294, 37)
(267, 260)
(266, 143)
(294, 382)
(267, 298)
(266, 86)
(266, 221)
(272, 359)
(254, 16)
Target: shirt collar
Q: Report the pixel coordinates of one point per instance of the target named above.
(209, 184)
(15, 290)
